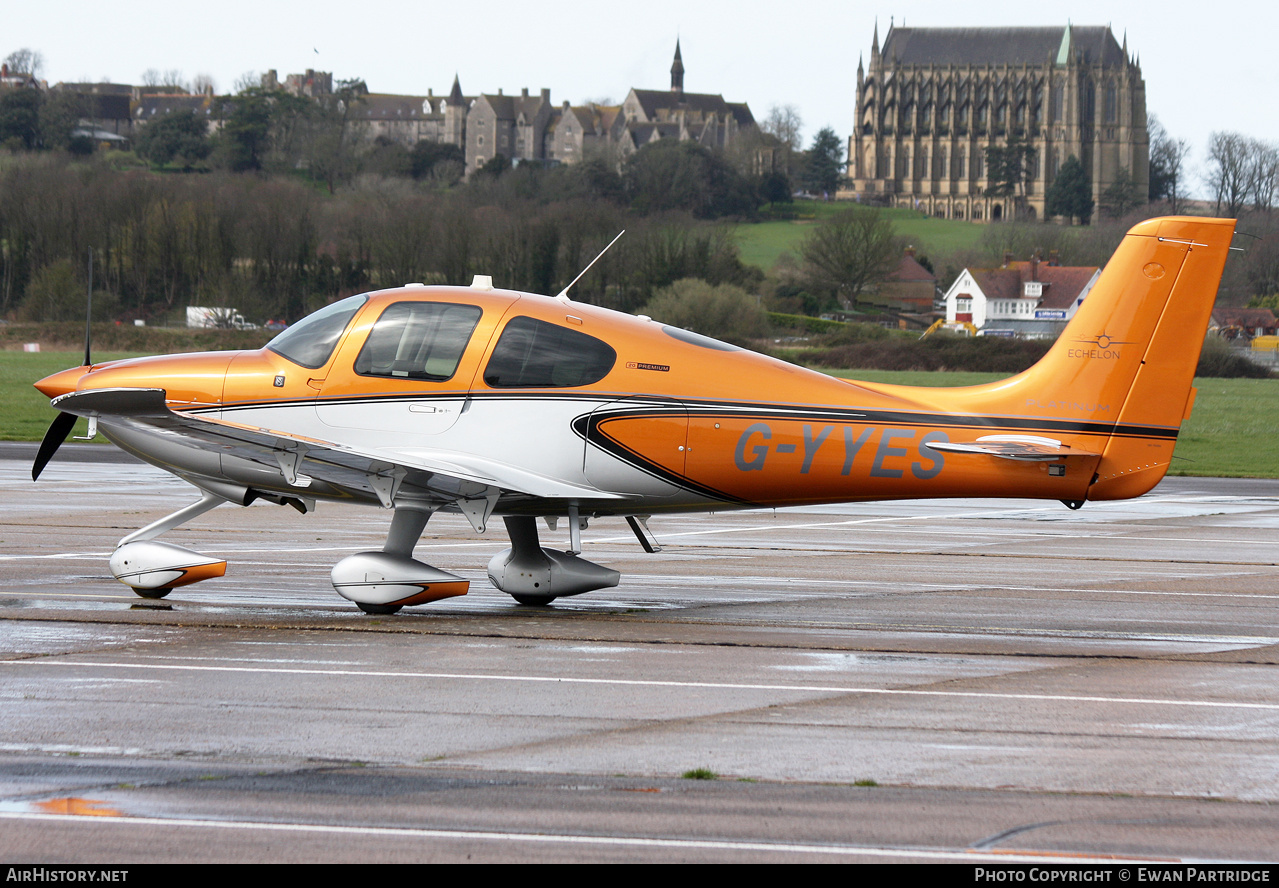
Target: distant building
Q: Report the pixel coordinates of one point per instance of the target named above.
(107, 108)
(412, 119)
(17, 79)
(911, 288)
(649, 115)
(1032, 299)
(933, 99)
(523, 128)
(529, 128)
(148, 107)
(574, 131)
(1248, 322)
(512, 126)
(313, 83)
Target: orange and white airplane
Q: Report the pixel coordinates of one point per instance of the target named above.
(491, 402)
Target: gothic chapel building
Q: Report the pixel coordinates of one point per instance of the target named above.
(934, 98)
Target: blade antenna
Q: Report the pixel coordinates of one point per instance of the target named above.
(563, 294)
(88, 313)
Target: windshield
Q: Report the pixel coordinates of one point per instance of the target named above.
(311, 340)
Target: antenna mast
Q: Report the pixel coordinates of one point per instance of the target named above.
(562, 296)
(88, 312)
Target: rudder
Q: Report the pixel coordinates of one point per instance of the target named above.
(1159, 394)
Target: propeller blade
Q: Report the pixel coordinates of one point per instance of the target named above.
(61, 426)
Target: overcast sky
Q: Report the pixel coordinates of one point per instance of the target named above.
(1207, 66)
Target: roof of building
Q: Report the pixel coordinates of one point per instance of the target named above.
(97, 89)
(1062, 283)
(1000, 46)
(608, 114)
(654, 101)
(166, 103)
(111, 106)
(643, 133)
(383, 106)
(588, 117)
(510, 107)
(909, 270)
(1244, 317)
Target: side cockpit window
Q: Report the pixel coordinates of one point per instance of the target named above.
(418, 340)
(535, 354)
(311, 340)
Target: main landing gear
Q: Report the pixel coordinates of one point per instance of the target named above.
(536, 576)
(383, 582)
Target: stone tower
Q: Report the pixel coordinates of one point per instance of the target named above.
(677, 72)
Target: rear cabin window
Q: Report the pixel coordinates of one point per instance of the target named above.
(534, 353)
(311, 340)
(418, 340)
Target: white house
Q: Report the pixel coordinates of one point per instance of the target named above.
(1032, 299)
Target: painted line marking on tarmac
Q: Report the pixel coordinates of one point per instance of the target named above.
(570, 839)
(654, 683)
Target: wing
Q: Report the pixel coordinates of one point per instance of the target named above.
(1019, 447)
(433, 477)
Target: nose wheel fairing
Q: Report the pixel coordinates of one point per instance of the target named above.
(152, 568)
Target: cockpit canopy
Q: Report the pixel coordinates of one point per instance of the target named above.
(426, 340)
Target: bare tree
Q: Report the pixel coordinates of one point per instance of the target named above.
(784, 122)
(1229, 170)
(1264, 174)
(333, 134)
(25, 61)
(247, 81)
(203, 83)
(164, 81)
(1168, 158)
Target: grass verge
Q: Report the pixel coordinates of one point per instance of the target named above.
(761, 243)
(24, 412)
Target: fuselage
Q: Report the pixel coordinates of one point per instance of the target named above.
(674, 421)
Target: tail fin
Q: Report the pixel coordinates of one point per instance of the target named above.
(1125, 363)
(1160, 392)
